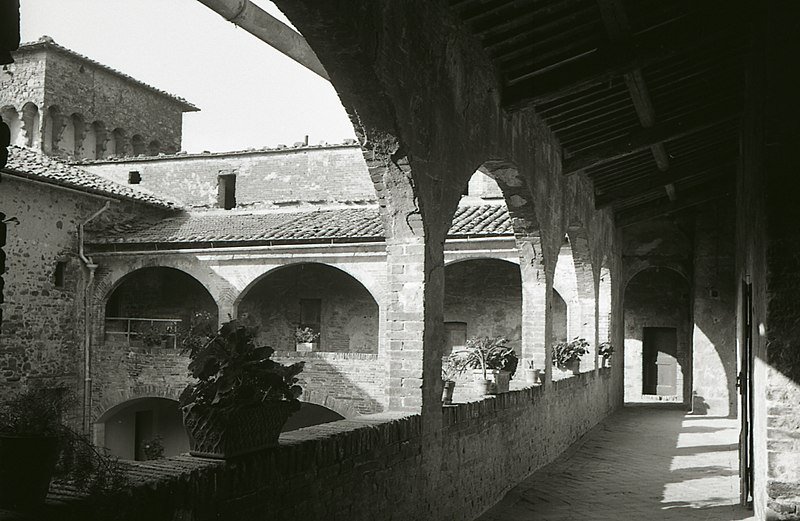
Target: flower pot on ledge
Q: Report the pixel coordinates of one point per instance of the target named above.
(306, 347)
(499, 380)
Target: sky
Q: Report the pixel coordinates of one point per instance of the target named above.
(249, 95)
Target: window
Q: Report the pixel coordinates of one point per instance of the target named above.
(58, 274)
(226, 194)
(455, 336)
(134, 177)
(311, 313)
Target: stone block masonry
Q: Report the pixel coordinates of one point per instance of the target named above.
(368, 468)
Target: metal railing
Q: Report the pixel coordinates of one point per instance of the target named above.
(149, 332)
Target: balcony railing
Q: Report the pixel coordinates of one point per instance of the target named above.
(149, 332)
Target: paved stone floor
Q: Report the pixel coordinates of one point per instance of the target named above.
(641, 463)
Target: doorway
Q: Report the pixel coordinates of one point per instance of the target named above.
(660, 361)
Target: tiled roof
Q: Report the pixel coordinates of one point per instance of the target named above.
(310, 226)
(48, 42)
(31, 164)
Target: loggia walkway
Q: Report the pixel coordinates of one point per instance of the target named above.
(640, 463)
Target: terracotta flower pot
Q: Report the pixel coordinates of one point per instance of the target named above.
(447, 394)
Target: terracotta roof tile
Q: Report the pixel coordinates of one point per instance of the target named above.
(309, 226)
(31, 164)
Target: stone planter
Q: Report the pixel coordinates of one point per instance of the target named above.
(500, 380)
(606, 362)
(306, 347)
(217, 435)
(27, 464)
(573, 367)
(447, 393)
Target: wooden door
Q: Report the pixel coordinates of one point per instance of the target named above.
(744, 383)
(660, 361)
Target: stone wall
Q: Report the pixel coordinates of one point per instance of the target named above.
(42, 327)
(657, 297)
(371, 467)
(309, 174)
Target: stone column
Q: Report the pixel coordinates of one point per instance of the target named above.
(535, 304)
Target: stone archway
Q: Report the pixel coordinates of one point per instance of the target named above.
(326, 299)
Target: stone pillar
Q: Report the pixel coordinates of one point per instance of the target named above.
(535, 304)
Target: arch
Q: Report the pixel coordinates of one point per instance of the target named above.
(115, 147)
(327, 299)
(53, 125)
(31, 123)
(486, 295)
(127, 427)
(11, 118)
(100, 136)
(340, 406)
(658, 336)
(154, 148)
(148, 305)
(79, 130)
(587, 292)
(137, 145)
(516, 193)
(480, 256)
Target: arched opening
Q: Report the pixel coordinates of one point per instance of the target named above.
(116, 144)
(481, 187)
(657, 309)
(327, 301)
(482, 297)
(558, 309)
(150, 305)
(31, 125)
(154, 148)
(310, 414)
(142, 429)
(52, 130)
(11, 118)
(78, 128)
(137, 145)
(98, 134)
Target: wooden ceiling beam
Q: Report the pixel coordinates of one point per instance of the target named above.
(618, 27)
(650, 211)
(641, 140)
(608, 61)
(710, 169)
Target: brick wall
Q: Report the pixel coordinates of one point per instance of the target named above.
(371, 467)
(264, 176)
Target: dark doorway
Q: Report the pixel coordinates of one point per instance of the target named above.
(660, 361)
(143, 432)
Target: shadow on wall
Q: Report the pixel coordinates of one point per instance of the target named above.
(320, 297)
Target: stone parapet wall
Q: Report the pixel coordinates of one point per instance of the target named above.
(377, 467)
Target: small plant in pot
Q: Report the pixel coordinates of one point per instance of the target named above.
(241, 398)
(452, 367)
(567, 355)
(605, 350)
(306, 339)
(532, 374)
(36, 446)
(494, 363)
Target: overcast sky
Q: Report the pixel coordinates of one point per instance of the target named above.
(249, 95)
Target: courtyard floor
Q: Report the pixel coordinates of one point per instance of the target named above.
(640, 463)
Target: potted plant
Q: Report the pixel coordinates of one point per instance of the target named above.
(452, 367)
(36, 445)
(306, 339)
(493, 362)
(241, 398)
(567, 355)
(532, 374)
(606, 350)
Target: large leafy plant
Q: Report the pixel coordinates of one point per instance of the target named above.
(487, 353)
(44, 412)
(232, 373)
(565, 353)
